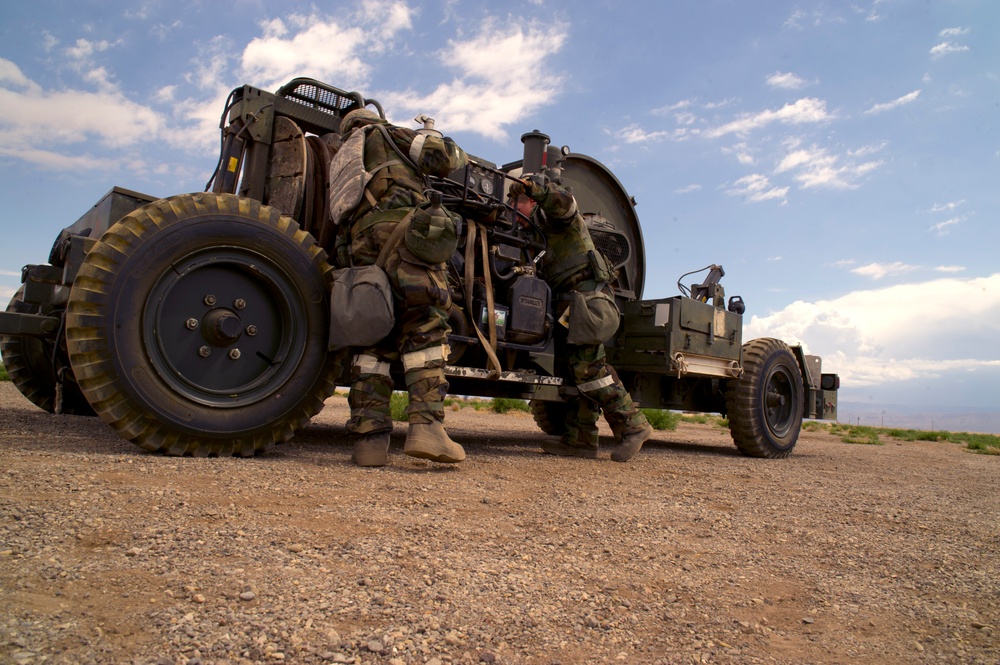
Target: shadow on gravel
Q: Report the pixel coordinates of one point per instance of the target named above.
(691, 448)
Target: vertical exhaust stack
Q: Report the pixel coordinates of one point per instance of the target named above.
(535, 152)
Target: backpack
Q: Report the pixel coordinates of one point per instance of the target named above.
(348, 176)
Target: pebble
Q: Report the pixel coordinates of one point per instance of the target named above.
(511, 557)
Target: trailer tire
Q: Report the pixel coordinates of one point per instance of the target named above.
(28, 361)
(198, 325)
(765, 404)
(550, 416)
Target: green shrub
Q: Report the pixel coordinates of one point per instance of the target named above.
(505, 404)
(4, 376)
(697, 418)
(861, 434)
(925, 435)
(981, 443)
(397, 406)
(661, 419)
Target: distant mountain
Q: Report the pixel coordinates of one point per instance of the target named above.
(951, 419)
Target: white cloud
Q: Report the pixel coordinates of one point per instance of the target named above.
(950, 269)
(38, 117)
(800, 19)
(84, 48)
(816, 167)
(666, 110)
(786, 81)
(807, 110)
(391, 16)
(888, 106)
(11, 74)
(70, 126)
(880, 270)
(953, 32)
(945, 48)
(322, 50)
(484, 97)
(909, 331)
(636, 134)
(743, 153)
(687, 190)
(49, 41)
(943, 228)
(947, 207)
(756, 187)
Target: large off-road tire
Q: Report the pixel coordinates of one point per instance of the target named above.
(199, 325)
(29, 362)
(550, 416)
(765, 405)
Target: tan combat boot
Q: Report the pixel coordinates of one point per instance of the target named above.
(631, 443)
(564, 448)
(371, 449)
(432, 442)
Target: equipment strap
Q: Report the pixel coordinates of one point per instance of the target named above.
(397, 235)
(489, 346)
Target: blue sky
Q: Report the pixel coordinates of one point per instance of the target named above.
(839, 159)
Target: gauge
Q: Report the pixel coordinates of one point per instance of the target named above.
(487, 186)
(472, 182)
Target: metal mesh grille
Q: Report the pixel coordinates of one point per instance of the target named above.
(612, 244)
(320, 99)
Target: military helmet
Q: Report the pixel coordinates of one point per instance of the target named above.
(358, 118)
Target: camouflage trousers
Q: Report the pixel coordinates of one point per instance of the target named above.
(422, 304)
(600, 390)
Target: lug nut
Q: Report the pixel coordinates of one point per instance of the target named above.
(234, 354)
(240, 303)
(204, 352)
(251, 330)
(191, 323)
(209, 300)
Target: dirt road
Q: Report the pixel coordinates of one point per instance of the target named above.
(688, 554)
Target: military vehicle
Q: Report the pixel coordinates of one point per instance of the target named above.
(198, 324)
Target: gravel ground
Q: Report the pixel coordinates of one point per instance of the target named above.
(690, 553)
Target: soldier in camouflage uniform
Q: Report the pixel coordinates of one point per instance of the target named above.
(422, 297)
(571, 263)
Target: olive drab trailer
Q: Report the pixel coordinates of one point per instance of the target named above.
(199, 323)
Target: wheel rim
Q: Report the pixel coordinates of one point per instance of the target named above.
(221, 327)
(779, 402)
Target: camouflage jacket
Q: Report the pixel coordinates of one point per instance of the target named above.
(570, 257)
(398, 188)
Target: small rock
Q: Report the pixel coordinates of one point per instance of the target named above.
(198, 598)
(248, 595)
(375, 646)
(296, 548)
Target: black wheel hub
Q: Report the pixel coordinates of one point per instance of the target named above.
(221, 327)
(778, 403)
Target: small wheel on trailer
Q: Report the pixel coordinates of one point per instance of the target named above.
(199, 325)
(765, 404)
(30, 363)
(550, 416)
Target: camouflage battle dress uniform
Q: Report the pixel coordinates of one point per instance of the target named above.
(421, 293)
(571, 263)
